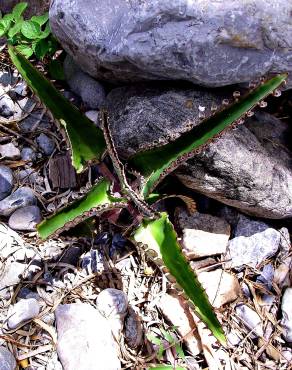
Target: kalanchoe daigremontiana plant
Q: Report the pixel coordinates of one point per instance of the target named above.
(155, 232)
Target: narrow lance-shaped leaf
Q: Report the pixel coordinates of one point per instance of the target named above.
(156, 163)
(86, 140)
(160, 236)
(97, 200)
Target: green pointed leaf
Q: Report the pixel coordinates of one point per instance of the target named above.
(25, 50)
(56, 70)
(18, 10)
(87, 142)
(15, 29)
(41, 49)
(98, 197)
(31, 30)
(160, 235)
(154, 163)
(40, 19)
(4, 26)
(46, 32)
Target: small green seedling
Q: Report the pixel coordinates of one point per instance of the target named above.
(30, 37)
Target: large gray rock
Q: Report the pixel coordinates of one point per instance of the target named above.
(249, 168)
(208, 42)
(85, 341)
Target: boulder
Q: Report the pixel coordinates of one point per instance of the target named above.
(248, 168)
(208, 42)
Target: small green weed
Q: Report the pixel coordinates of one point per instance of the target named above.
(30, 37)
(166, 336)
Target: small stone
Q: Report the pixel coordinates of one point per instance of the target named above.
(10, 276)
(254, 242)
(27, 176)
(46, 144)
(286, 321)
(25, 219)
(28, 154)
(112, 303)
(6, 181)
(9, 151)
(93, 115)
(287, 353)
(7, 360)
(203, 234)
(250, 319)
(173, 309)
(81, 326)
(91, 91)
(266, 277)
(221, 287)
(22, 197)
(133, 329)
(22, 311)
(6, 106)
(233, 339)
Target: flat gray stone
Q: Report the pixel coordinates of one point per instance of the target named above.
(9, 151)
(241, 169)
(82, 327)
(253, 243)
(22, 197)
(6, 181)
(207, 42)
(25, 219)
(250, 319)
(46, 144)
(203, 234)
(91, 91)
(24, 310)
(286, 321)
(7, 360)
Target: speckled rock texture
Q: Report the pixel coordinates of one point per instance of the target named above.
(248, 168)
(208, 42)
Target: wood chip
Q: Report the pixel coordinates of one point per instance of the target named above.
(62, 173)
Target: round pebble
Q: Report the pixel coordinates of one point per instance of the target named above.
(46, 144)
(22, 197)
(25, 219)
(6, 181)
(112, 303)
